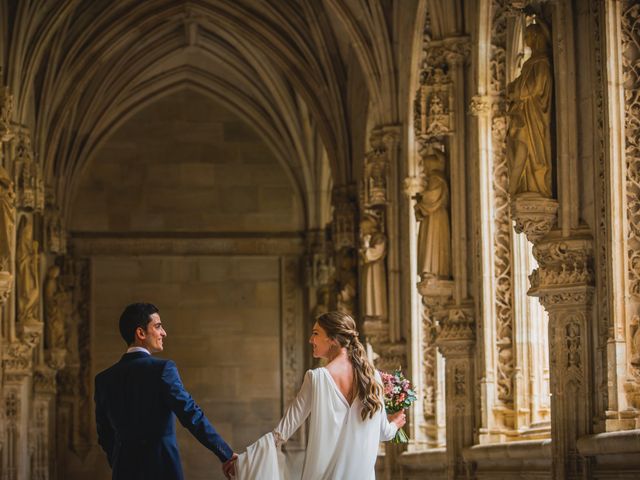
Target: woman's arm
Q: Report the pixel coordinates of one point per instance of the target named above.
(297, 412)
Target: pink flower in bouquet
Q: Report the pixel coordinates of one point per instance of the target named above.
(398, 395)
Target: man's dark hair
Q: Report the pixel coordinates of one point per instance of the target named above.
(134, 316)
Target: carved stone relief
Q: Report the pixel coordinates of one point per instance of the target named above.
(7, 233)
(502, 219)
(373, 253)
(376, 177)
(6, 111)
(432, 211)
(28, 275)
(29, 180)
(529, 134)
(631, 74)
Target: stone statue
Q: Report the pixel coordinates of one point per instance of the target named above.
(27, 274)
(431, 209)
(346, 281)
(54, 309)
(323, 301)
(374, 276)
(529, 134)
(7, 218)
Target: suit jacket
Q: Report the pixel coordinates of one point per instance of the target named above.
(136, 400)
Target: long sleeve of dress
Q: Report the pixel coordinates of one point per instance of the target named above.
(297, 412)
(388, 429)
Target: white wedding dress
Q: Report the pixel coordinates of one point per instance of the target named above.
(341, 446)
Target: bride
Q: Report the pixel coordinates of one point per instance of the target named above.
(344, 403)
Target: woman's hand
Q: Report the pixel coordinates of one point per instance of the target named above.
(399, 418)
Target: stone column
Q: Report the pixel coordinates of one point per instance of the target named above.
(41, 428)
(564, 284)
(435, 294)
(17, 366)
(456, 341)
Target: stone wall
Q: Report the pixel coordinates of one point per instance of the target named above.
(185, 164)
(222, 319)
(184, 170)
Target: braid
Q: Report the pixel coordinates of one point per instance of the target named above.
(342, 328)
(367, 388)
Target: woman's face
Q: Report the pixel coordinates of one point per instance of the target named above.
(320, 342)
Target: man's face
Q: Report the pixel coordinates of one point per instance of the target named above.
(152, 338)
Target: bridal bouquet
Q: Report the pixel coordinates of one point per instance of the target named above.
(398, 395)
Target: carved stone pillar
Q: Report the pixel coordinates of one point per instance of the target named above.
(564, 284)
(6, 111)
(7, 233)
(378, 250)
(345, 214)
(456, 341)
(435, 294)
(29, 180)
(41, 432)
(17, 365)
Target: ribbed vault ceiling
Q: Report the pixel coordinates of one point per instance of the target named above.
(78, 69)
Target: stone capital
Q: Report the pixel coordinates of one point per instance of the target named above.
(456, 337)
(480, 105)
(17, 358)
(534, 215)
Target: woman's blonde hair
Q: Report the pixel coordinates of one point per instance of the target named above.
(341, 327)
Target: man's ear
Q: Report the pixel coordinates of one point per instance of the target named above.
(141, 333)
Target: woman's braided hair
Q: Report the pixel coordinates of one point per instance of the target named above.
(341, 327)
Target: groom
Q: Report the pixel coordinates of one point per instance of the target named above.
(136, 400)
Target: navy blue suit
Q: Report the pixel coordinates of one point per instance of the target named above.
(136, 400)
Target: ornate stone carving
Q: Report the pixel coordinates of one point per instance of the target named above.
(44, 380)
(57, 306)
(7, 220)
(630, 58)
(28, 275)
(529, 134)
(457, 331)
(435, 294)
(56, 237)
(376, 176)
(344, 217)
(17, 357)
(480, 105)
(29, 180)
(413, 185)
(534, 215)
(434, 103)
(373, 253)
(432, 211)
(6, 111)
(502, 218)
(346, 280)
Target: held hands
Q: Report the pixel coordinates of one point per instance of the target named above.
(229, 467)
(399, 418)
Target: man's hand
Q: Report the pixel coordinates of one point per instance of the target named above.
(229, 467)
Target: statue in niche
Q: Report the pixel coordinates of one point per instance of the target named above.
(7, 218)
(27, 273)
(54, 306)
(346, 281)
(529, 133)
(323, 301)
(431, 210)
(373, 253)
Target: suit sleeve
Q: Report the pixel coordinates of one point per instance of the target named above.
(189, 413)
(103, 425)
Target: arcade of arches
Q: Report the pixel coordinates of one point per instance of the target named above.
(462, 176)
